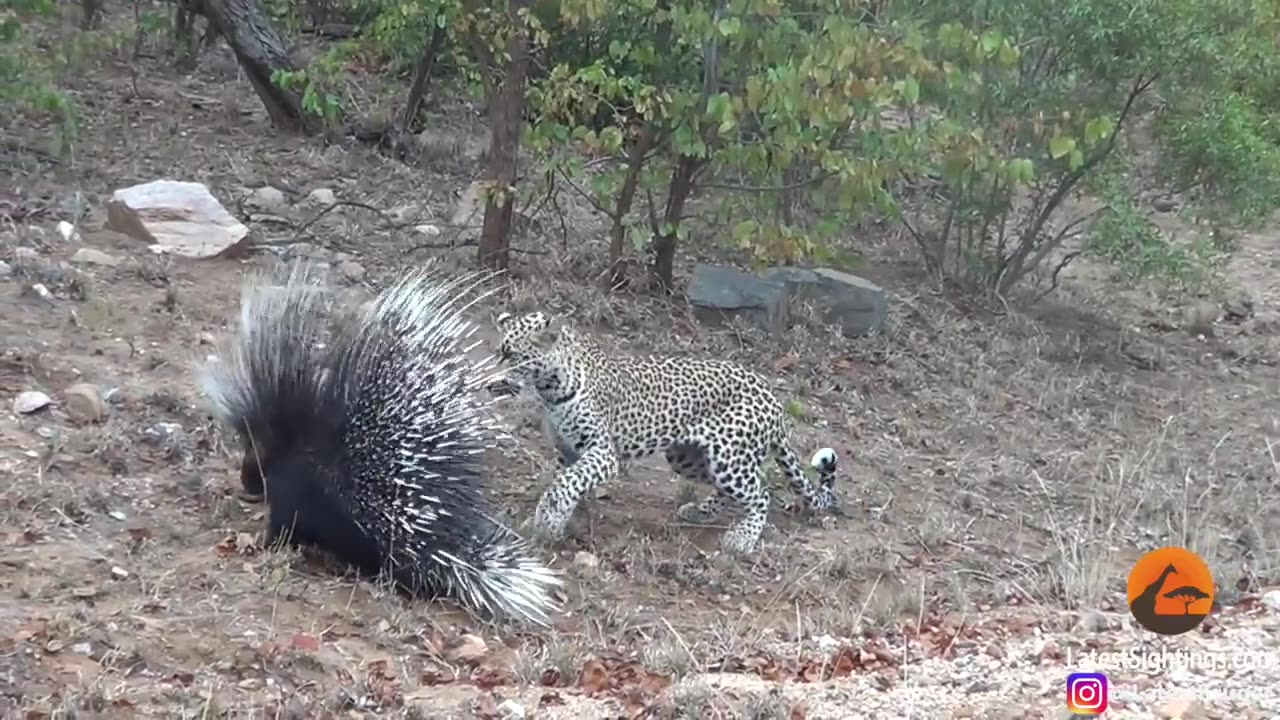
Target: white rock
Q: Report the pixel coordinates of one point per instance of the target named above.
(351, 270)
(68, 231)
(267, 198)
(322, 196)
(512, 710)
(30, 401)
(89, 256)
(182, 218)
(428, 230)
(1271, 600)
(5, 270)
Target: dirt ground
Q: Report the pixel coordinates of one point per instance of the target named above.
(1002, 471)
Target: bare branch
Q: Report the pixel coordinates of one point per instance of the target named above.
(770, 189)
(585, 195)
(1062, 265)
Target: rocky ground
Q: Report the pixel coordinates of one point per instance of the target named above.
(1003, 470)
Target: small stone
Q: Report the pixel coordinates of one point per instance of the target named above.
(82, 648)
(1271, 600)
(512, 710)
(68, 231)
(89, 256)
(119, 573)
(6, 270)
(30, 401)
(1091, 622)
(25, 254)
(267, 198)
(584, 559)
(469, 649)
(84, 403)
(428, 230)
(403, 213)
(826, 643)
(322, 196)
(351, 270)
(207, 338)
(994, 650)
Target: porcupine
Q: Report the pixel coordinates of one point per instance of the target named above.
(364, 430)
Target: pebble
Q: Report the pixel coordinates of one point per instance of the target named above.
(30, 401)
(90, 256)
(584, 559)
(84, 403)
(351, 270)
(267, 198)
(322, 196)
(512, 710)
(68, 231)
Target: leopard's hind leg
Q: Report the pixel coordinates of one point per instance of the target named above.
(689, 461)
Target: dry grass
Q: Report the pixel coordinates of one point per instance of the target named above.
(991, 461)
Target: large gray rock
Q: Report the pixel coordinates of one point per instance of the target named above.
(179, 218)
(855, 305)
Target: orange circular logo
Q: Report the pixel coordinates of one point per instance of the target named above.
(1170, 591)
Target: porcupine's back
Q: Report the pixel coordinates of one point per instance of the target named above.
(374, 443)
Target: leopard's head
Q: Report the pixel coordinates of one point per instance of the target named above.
(523, 340)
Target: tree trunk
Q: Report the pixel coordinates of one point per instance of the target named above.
(92, 10)
(626, 196)
(664, 244)
(505, 110)
(422, 79)
(260, 52)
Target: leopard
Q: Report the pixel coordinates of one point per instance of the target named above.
(715, 421)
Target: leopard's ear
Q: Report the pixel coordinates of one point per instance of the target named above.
(553, 329)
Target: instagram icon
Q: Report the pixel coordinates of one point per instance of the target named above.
(1086, 693)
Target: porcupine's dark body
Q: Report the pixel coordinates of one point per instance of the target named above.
(364, 430)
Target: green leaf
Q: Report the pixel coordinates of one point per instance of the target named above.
(1026, 170)
(441, 21)
(1060, 145)
(729, 26)
(1008, 55)
(1077, 159)
(1097, 129)
(639, 237)
(990, 42)
(611, 138)
(743, 230)
(910, 90)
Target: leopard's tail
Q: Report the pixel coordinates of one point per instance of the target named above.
(824, 461)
